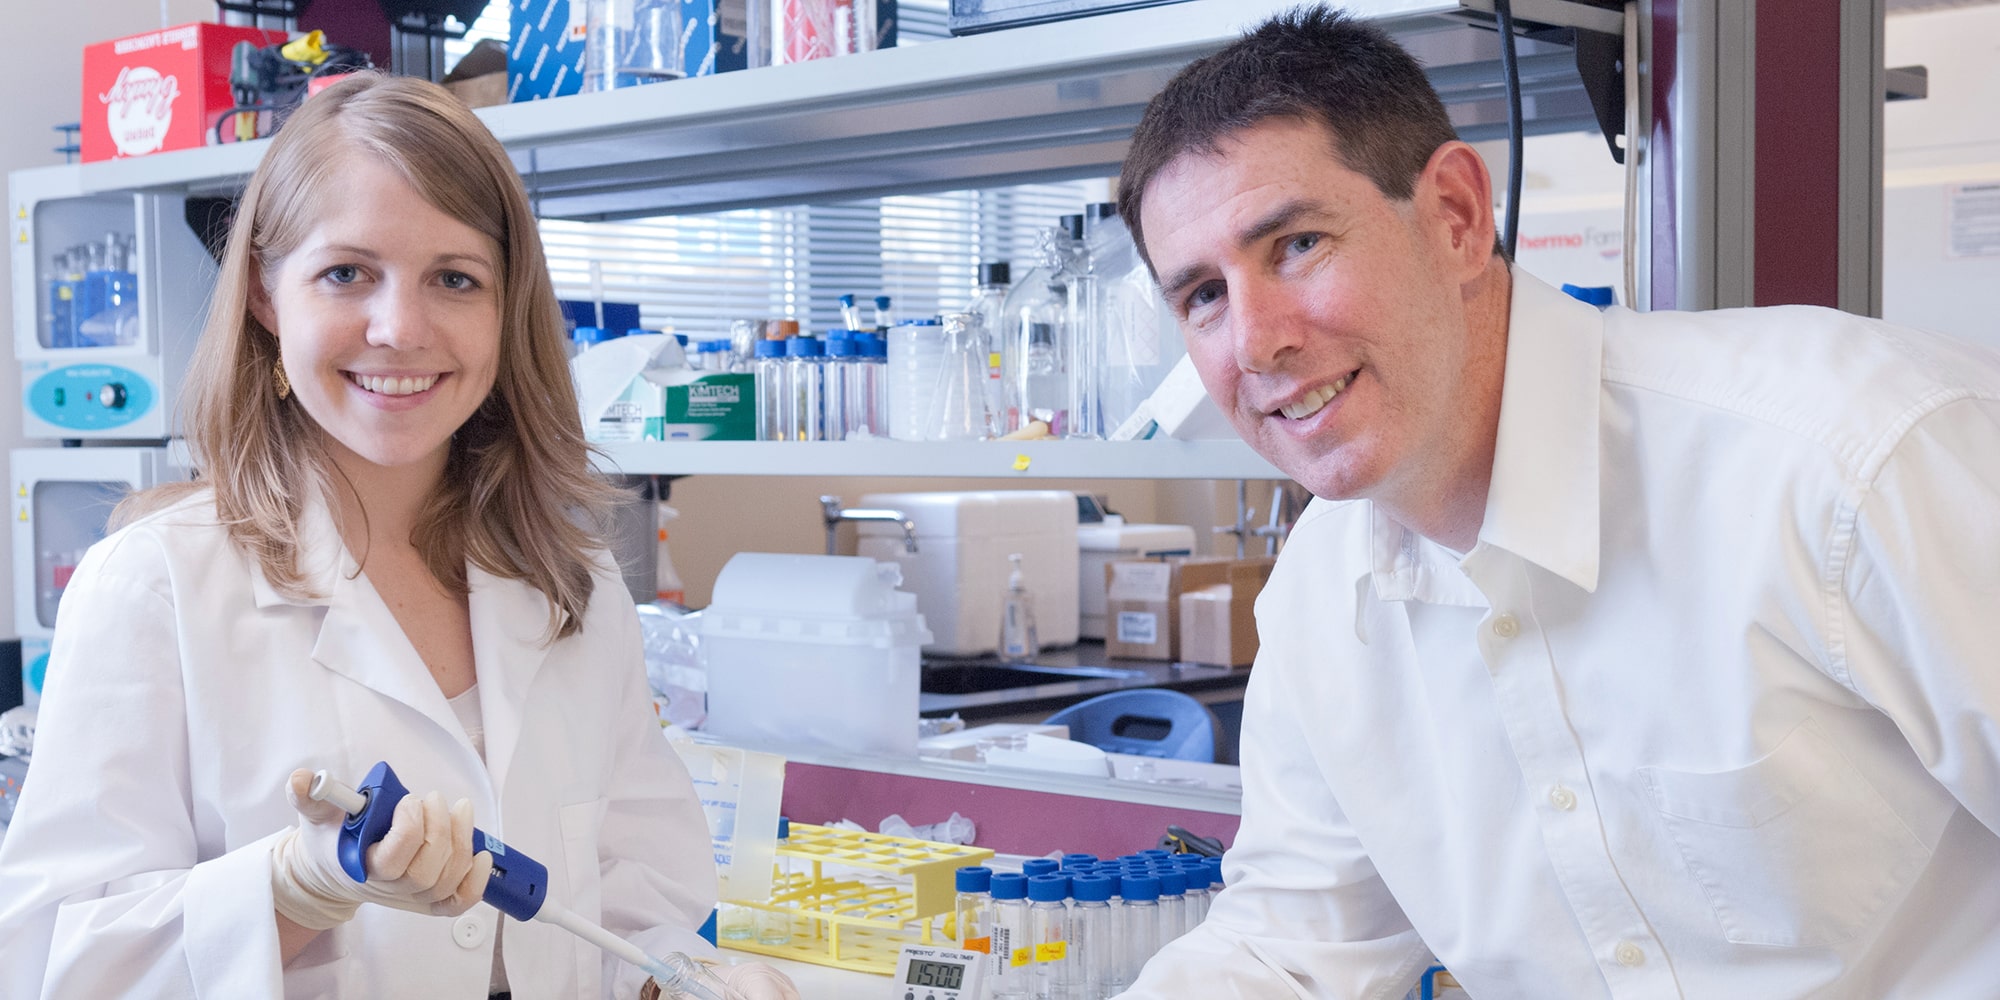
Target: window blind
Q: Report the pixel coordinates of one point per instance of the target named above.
(695, 274)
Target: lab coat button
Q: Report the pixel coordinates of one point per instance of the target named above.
(1562, 798)
(1506, 626)
(469, 931)
(1630, 955)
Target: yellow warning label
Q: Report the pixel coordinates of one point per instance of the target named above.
(1022, 956)
(1051, 951)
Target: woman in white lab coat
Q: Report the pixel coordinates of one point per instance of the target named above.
(385, 555)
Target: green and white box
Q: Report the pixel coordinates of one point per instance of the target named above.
(718, 407)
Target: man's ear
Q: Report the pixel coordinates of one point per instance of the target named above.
(1459, 192)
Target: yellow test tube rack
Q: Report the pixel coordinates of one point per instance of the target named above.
(855, 899)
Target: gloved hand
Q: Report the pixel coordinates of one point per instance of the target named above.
(424, 864)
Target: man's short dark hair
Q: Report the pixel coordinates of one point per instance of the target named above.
(1310, 64)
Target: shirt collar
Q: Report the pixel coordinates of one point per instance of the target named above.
(322, 559)
(1542, 504)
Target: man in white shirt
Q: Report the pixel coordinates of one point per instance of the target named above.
(1624, 655)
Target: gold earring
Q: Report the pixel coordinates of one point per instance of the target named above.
(284, 384)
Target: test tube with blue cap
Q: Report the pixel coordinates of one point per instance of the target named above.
(518, 886)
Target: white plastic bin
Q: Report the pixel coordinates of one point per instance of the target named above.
(813, 652)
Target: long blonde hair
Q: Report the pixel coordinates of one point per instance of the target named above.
(518, 497)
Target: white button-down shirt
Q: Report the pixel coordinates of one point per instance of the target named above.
(1707, 712)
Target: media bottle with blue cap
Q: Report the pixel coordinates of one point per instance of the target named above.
(769, 371)
(1092, 935)
(1141, 923)
(805, 388)
(972, 913)
(1057, 977)
(1013, 955)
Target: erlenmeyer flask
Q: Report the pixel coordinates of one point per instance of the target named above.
(959, 411)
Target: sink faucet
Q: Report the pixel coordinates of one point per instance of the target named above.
(832, 513)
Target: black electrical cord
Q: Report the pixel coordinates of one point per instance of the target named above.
(1511, 228)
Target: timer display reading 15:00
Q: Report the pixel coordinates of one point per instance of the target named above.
(946, 975)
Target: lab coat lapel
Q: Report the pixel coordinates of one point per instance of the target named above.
(361, 640)
(508, 620)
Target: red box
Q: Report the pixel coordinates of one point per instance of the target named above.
(160, 90)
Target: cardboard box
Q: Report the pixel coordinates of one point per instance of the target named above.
(1218, 621)
(719, 407)
(160, 90)
(545, 49)
(1141, 610)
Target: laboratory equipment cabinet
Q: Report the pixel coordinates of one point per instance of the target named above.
(61, 499)
(110, 291)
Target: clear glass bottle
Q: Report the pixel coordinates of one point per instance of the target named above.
(958, 404)
(843, 355)
(1092, 937)
(989, 301)
(1173, 904)
(774, 927)
(1019, 640)
(1114, 970)
(1034, 341)
(972, 915)
(1013, 966)
(805, 384)
(772, 388)
(1086, 336)
(1048, 927)
(875, 351)
(1141, 929)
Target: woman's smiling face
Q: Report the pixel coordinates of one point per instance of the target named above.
(387, 316)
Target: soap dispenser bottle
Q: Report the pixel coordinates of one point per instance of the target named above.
(1018, 641)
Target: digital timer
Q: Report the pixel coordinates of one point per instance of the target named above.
(927, 973)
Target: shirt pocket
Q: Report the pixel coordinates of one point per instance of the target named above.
(1795, 850)
(579, 825)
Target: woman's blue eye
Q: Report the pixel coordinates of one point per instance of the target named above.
(458, 281)
(343, 274)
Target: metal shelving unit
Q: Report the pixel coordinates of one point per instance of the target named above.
(1163, 459)
(1040, 103)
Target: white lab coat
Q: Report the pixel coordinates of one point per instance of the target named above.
(183, 689)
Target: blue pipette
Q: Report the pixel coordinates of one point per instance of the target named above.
(518, 886)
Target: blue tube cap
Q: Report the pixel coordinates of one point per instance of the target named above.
(1140, 888)
(1090, 888)
(803, 347)
(1048, 888)
(1039, 866)
(770, 348)
(975, 878)
(1073, 860)
(1007, 885)
(1172, 882)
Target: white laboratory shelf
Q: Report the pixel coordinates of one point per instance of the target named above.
(1159, 459)
(1044, 102)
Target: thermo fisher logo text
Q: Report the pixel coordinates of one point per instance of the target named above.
(138, 108)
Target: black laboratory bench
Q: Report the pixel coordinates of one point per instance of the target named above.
(983, 690)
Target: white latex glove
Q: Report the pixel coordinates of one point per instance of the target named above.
(424, 864)
(757, 981)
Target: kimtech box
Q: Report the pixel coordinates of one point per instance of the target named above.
(160, 90)
(719, 407)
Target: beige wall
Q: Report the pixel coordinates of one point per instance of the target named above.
(41, 80)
